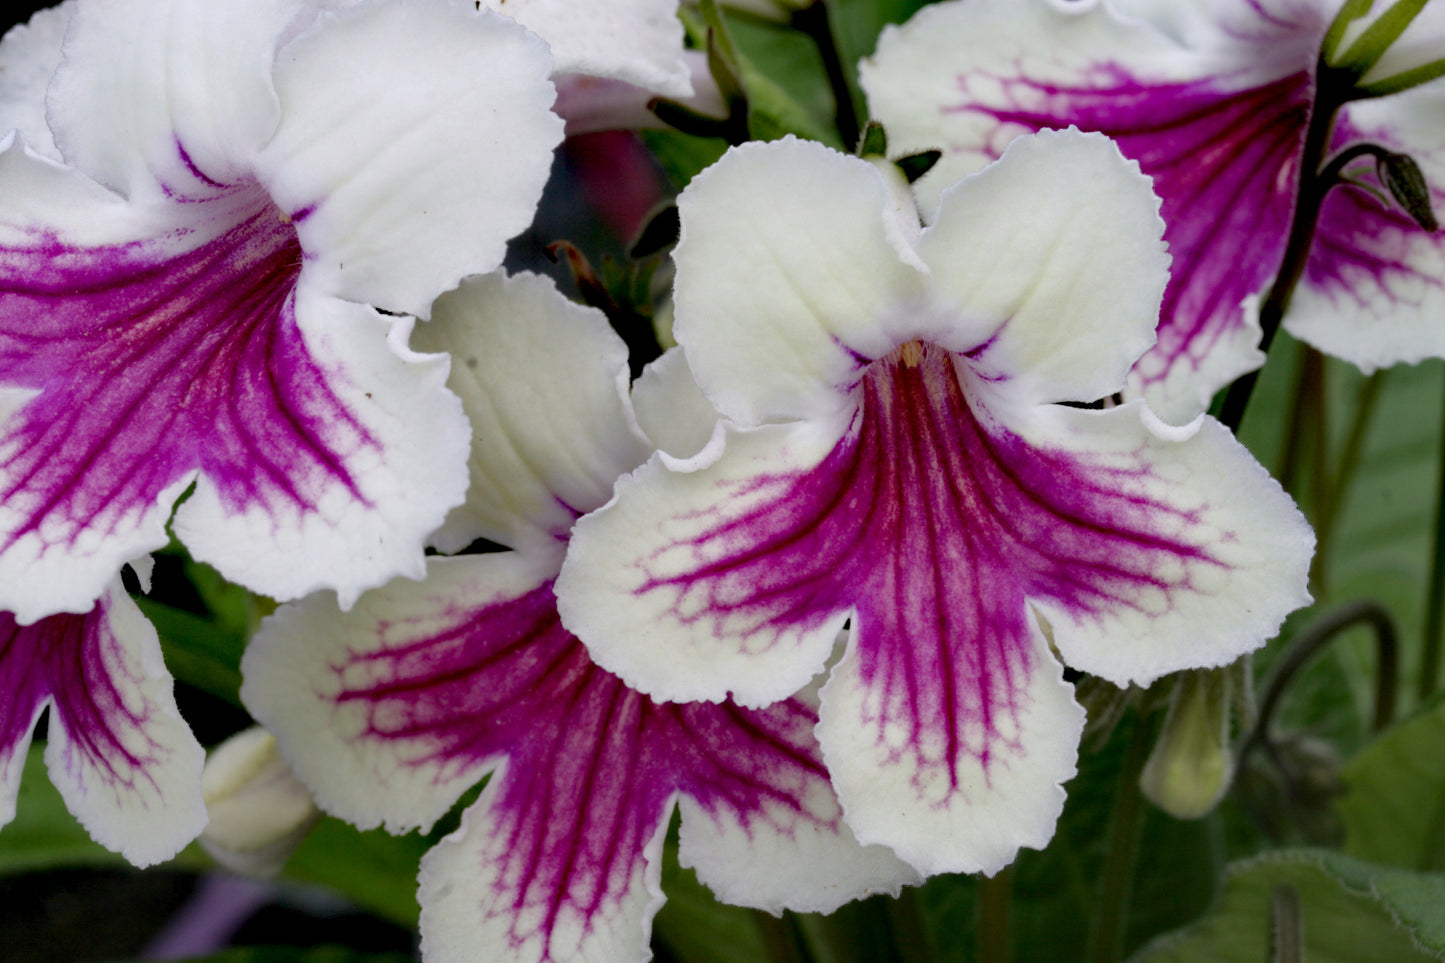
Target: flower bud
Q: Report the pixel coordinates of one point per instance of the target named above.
(259, 811)
(1192, 765)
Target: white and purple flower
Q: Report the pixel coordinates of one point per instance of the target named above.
(193, 231)
(1213, 100)
(392, 710)
(895, 456)
(124, 761)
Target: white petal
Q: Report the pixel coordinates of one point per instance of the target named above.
(1072, 306)
(960, 796)
(1228, 550)
(544, 382)
(166, 100)
(118, 751)
(670, 407)
(788, 856)
(383, 472)
(920, 85)
(478, 901)
(638, 589)
(29, 56)
(786, 277)
(636, 41)
(1374, 286)
(1212, 103)
(370, 706)
(414, 140)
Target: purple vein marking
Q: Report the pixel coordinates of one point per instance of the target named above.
(70, 659)
(592, 763)
(935, 526)
(151, 365)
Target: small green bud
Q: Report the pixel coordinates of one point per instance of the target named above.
(1192, 764)
(1406, 182)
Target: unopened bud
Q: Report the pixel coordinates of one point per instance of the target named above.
(1191, 765)
(259, 811)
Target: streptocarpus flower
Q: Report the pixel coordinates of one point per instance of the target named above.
(392, 710)
(896, 457)
(1212, 99)
(186, 280)
(124, 761)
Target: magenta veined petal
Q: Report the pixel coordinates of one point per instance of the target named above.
(391, 710)
(1214, 108)
(185, 309)
(124, 761)
(937, 520)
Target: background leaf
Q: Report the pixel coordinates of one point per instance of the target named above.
(1352, 912)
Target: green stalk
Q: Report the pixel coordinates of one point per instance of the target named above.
(1111, 909)
(1315, 180)
(1435, 599)
(994, 894)
(813, 20)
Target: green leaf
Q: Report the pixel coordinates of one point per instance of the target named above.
(682, 156)
(787, 88)
(1350, 911)
(699, 929)
(1394, 811)
(197, 650)
(375, 870)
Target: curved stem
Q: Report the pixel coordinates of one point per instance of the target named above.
(1311, 641)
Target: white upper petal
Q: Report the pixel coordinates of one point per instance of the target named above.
(787, 275)
(636, 41)
(414, 140)
(1072, 304)
(29, 56)
(158, 98)
(544, 382)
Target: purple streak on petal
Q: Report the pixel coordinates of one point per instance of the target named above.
(593, 764)
(71, 660)
(935, 526)
(1362, 242)
(152, 365)
(1224, 165)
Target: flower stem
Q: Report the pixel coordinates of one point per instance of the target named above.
(1429, 679)
(1349, 461)
(1316, 177)
(780, 937)
(1111, 909)
(994, 894)
(1315, 637)
(813, 20)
